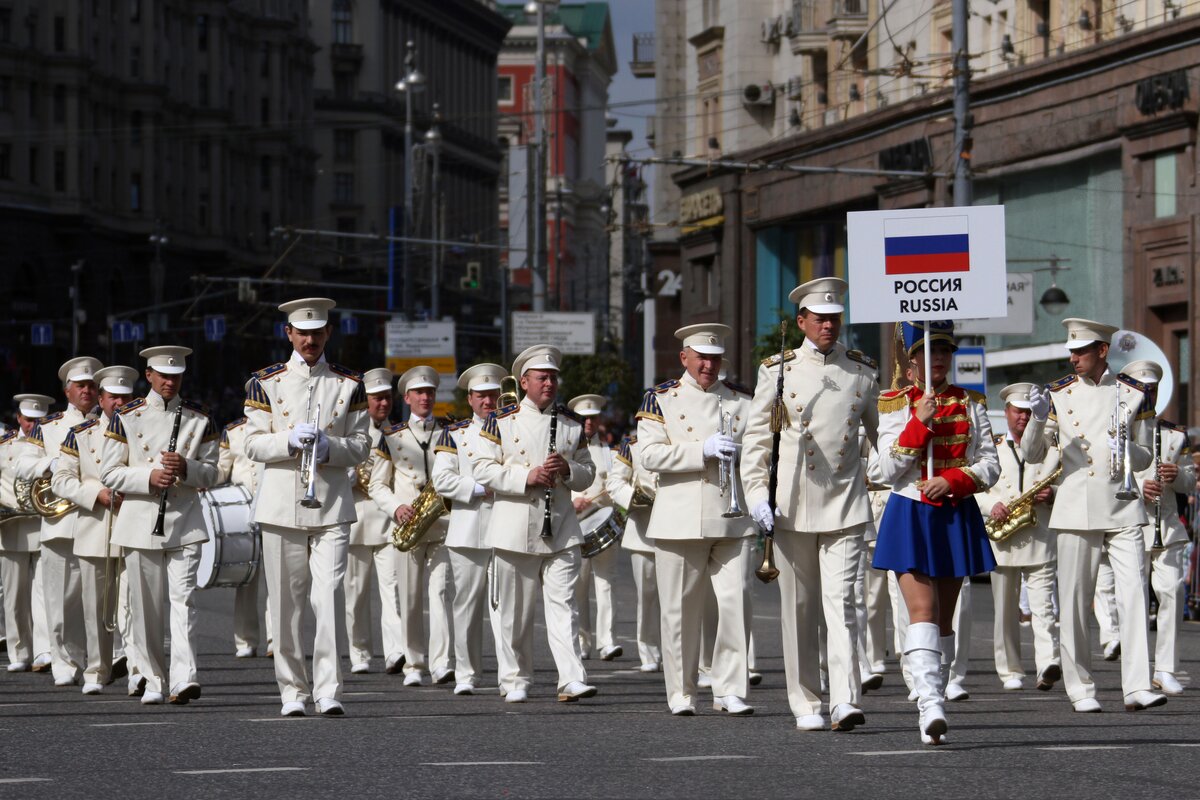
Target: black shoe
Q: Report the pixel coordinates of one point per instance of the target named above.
(872, 682)
(1050, 675)
(120, 669)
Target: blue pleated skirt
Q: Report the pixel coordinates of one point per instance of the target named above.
(946, 541)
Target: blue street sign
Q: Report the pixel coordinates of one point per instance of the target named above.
(41, 334)
(214, 327)
(970, 369)
(139, 331)
(280, 330)
(122, 331)
(349, 324)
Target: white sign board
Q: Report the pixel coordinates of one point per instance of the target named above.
(410, 339)
(1020, 310)
(574, 333)
(926, 264)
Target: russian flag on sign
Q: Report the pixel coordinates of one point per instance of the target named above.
(916, 245)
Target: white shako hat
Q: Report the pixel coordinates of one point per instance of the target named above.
(482, 378)
(706, 337)
(33, 406)
(1017, 395)
(309, 313)
(83, 368)
(167, 359)
(1082, 332)
(540, 356)
(820, 296)
(1144, 370)
(419, 378)
(587, 405)
(117, 380)
(378, 380)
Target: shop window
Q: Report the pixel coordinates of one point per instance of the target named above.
(1164, 185)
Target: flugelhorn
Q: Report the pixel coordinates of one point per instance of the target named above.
(727, 467)
(308, 458)
(1119, 465)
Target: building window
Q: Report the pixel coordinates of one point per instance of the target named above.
(264, 67)
(202, 210)
(135, 128)
(345, 85)
(504, 91)
(265, 110)
(6, 161)
(60, 104)
(1164, 186)
(343, 22)
(343, 145)
(203, 157)
(202, 90)
(6, 94)
(60, 34)
(343, 188)
(60, 170)
(5, 25)
(33, 101)
(34, 157)
(135, 192)
(264, 173)
(202, 32)
(135, 61)
(135, 10)
(346, 225)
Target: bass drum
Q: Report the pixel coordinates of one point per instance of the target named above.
(232, 553)
(601, 530)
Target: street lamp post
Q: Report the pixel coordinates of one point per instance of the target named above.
(412, 82)
(433, 142)
(539, 7)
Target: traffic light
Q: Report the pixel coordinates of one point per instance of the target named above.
(472, 281)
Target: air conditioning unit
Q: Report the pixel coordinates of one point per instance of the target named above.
(772, 29)
(758, 94)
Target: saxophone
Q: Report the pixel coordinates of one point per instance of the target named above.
(1020, 511)
(427, 508)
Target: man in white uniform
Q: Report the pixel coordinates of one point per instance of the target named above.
(532, 456)
(1075, 413)
(162, 446)
(306, 412)
(632, 489)
(371, 549)
(471, 505)
(1026, 554)
(402, 466)
(679, 428)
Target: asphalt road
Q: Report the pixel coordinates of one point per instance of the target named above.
(424, 742)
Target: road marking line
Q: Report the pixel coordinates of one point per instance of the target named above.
(896, 752)
(1089, 747)
(700, 758)
(1183, 744)
(126, 724)
(14, 705)
(244, 769)
(26, 780)
(359, 694)
(281, 719)
(481, 763)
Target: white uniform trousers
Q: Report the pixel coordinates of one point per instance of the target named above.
(424, 572)
(683, 569)
(1078, 562)
(1006, 630)
(99, 638)
(1105, 603)
(517, 578)
(16, 573)
(306, 567)
(871, 590)
(156, 578)
(1166, 578)
(361, 562)
(247, 622)
(963, 624)
(41, 622)
(62, 594)
(648, 627)
(125, 626)
(468, 570)
(816, 581)
(708, 623)
(601, 571)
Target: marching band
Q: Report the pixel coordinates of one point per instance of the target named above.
(116, 510)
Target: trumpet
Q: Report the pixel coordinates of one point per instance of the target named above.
(1119, 465)
(726, 468)
(308, 459)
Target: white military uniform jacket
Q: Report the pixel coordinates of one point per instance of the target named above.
(276, 402)
(38, 450)
(822, 486)
(626, 476)
(1078, 422)
(373, 527)
(77, 478)
(1035, 544)
(235, 466)
(401, 465)
(454, 480)
(514, 441)
(137, 436)
(597, 492)
(673, 422)
(1175, 449)
(20, 535)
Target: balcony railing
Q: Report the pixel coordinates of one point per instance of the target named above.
(642, 65)
(804, 16)
(850, 8)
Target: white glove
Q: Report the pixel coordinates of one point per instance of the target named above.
(301, 435)
(719, 446)
(1039, 400)
(480, 490)
(1113, 444)
(322, 447)
(53, 465)
(763, 516)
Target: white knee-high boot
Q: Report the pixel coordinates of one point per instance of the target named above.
(922, 650)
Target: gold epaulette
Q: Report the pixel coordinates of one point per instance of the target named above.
(55, 417)
(236, 423)
(663, 387)
(737, 387)
(862, 358)
(83, 426)
(650, 408)
(345, 372)
(773, 361)
(1062, 383)
(271, 371)
(132, 405)
(508, 410)
(978, 397)
(892, 401)
(399, 426)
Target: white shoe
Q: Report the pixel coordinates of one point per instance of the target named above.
(184, 693)
(912, 695)
(360, 668)
(704, 682)
(464, 688)
(71, 681)
(328, 707)
(1139, 701)
(754, 678)
(152, 698)
(137, 685)
(611, 652)
(18, 666)
(443, 675)
(292, 708)
(732, 705)
(651, 667)
(1088, 705)
(846, 717)
(872, 681)
(93, 688)
(1050, 676)
(810, 722)
(244, 652)
(956, 691)
(41, 662)
(516, 696)
(1165, 682)
(394, 663)
(685, 710)
(414, 679)
(575, 690)
(1014, 685)
(1112, 650)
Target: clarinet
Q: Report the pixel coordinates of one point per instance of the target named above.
(162, 497)
(1158, 540)
(547, 528)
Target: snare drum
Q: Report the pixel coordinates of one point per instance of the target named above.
(232, 553)
(601, 530)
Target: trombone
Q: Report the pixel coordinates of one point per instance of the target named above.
(308, 458)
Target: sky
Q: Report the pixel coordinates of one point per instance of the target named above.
(630, 17)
